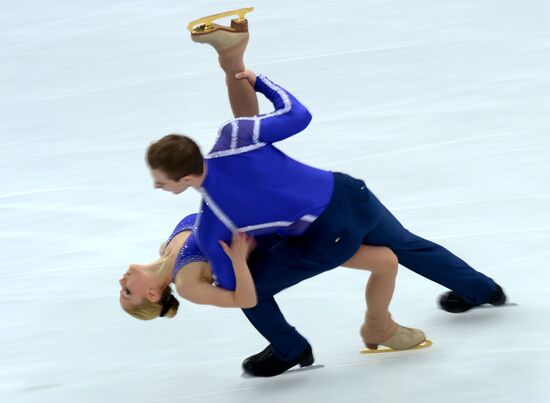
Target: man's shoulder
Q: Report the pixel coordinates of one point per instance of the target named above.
(237, 136)
(208, 226)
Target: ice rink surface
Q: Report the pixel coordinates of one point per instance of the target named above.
(441, 106)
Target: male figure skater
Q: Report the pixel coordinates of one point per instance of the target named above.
(248, 185)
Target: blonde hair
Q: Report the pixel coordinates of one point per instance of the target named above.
(167, 307)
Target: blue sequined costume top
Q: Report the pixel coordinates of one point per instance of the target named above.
(189, 252)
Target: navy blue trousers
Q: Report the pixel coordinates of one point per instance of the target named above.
(353, 217)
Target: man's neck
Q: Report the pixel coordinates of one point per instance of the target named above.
(197, 184)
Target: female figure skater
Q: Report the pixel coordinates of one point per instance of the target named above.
(146, 293)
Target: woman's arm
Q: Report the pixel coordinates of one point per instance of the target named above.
(192, 285)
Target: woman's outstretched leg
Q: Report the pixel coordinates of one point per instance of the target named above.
(379, 327)
(242, 96)
(231, 46)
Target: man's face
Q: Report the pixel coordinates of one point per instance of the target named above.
(161, 181)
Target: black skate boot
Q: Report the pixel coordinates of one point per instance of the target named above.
(455, 303)
(265, 364)
(250, 361)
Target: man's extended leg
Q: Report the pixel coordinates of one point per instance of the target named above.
(427, 258)
(275, 268)
(286, 348)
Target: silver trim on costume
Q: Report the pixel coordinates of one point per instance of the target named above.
(256, 130)
(217, 211)
(239, 150)
(234, 134)
(307, 218)
(199, 215)
(281, 93)
(265, 225)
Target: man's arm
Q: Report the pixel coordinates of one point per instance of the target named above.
(246, 134)
(207, 235)
(290, 116)
(222, 269)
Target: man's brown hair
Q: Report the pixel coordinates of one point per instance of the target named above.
(176, 156)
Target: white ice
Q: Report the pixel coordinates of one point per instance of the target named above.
(441, 106)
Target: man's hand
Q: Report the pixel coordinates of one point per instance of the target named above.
(248, 75)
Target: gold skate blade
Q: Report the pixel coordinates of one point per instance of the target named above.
(206, 23)
(424, 344)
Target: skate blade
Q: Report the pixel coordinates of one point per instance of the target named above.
(205, 24)
(289, 372)
(507, 304)
(424, 344)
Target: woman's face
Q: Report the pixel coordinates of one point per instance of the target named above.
(134, 285)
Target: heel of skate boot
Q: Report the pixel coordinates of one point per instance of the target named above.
(498, 297)
(239, 25)
(205, 24)
(307, 361)
(371, 346)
